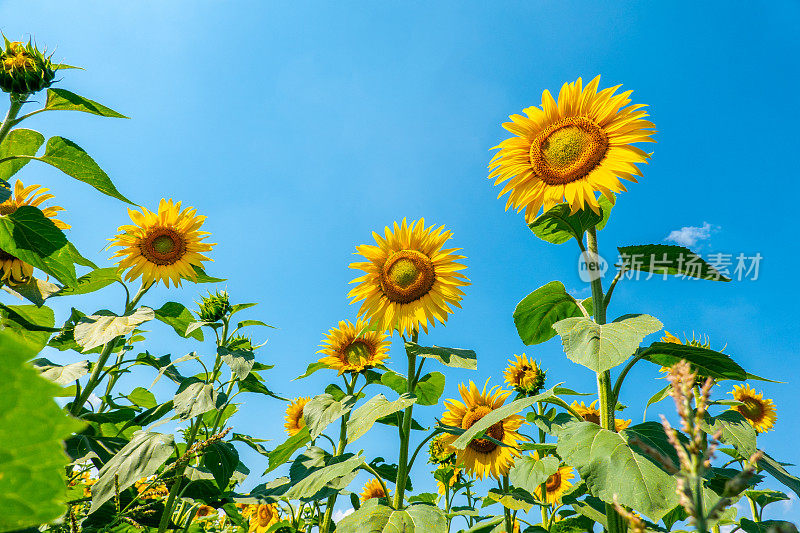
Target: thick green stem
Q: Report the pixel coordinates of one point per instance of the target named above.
(17, 101)
(402, 462)
(325, 525)
(543, 486)
(507, 512)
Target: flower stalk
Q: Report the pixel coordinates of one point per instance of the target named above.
(405, 431)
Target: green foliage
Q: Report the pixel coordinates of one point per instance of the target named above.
(324, 409)
(528, 472)
(703, 360)
(535, 315)
(19, 142)
(377, 407)
(667, 259)
(453, 357)
(96, 330)
(557, 225)
(179, 317)
(377, 517)
(62, 99)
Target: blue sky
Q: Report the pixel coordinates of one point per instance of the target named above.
(299, 128)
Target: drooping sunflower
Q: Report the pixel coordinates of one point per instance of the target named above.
(372, 489)
(482, 456)
(349, 348)
(14, 271)
(571, 149)
(294, 416)
(440, 453)
(557, 484)
(525, 376)
(410, 280)
(261, 516)
(592, 414)
(759, 411)
(702, 342)
(162, 246)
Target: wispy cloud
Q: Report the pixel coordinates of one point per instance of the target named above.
(338, 514)
(690, 235)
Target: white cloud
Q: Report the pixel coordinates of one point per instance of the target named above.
(338, 514)
(689, 235)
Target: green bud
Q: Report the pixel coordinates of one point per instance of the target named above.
(214, 306)
(24, 69)
(240, 342)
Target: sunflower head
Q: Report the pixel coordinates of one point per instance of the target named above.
(162, 246)
(592, 414)
(440, 453)
(557, 484)
(262, 517)
(13, 270)
(353, 348)
(525, 376)
(294, 416)
(483, 456)
(759, 411)
(571, 149)
(214, 306)
(24, 69)
(372, 489)
(702, 342)
(409, 280)
(151, 491)
(205, 511)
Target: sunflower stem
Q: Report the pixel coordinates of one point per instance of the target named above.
(506, 510)
(17, 102)
(543, 486)
(402, 462)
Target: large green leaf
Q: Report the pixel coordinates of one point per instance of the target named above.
(141, 457)
(528, 472)
(96, 330)
(454, 357)
(377, 517)
(32, 428)
(611, 466)
(667, 259)
(766, 526)
(315, 480)
(29, 235)
(429, 388)
(477, 429)
(195, 397)
(34, 290)
(58, 374)
(706, 362)
(282, 453)
(18, 142)
(736, 431)
(62, 99)
(240, 361)
(24, 330)
(376, 407)
(557, 225)
(221, 459)
(324, 409)
(535, 315)
(93, 281)
(179, 317)
(602, 347)
(777, 470)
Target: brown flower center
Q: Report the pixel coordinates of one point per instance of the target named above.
(592, 416)
(553, 482)
(568, 150)
(5, 256)
(495, 431)
(265, 514)
(406, 276)
(163, 246)
(752, 409)
(357, 351)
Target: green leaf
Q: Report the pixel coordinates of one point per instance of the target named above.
(609, 466)
(429, 388)
(453, 357)
(179, 317)
(396, 382)
(32, 429)
(376, 407)
(164, 365)
(487, 526)
(377, 517)
(766, 526)
(667, 259)
(478, 428)
(313, 367)
(606, 206)
(602, 347)
(574, 524)
(202, 277)
(82, 447)
(61, 99)
(29, 235)
(282, 453)
(657, 397)
(252, 442)
(142, 397)
(194, 397)
(141, 457)
(221, 459)
(240, 361)
(324, 409)
(315, 480)
(21, 142)
(557, 225)
(96, 330)
(61, 375)
(736, 431)
(535, 315)
(34, 290)
(776, 470)
(706, 362)
(766, 497)
(24, 330)
(517, 500)
(93, 281)
(528, 473)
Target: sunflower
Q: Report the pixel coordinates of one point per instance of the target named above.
(454, 472)
(759, 411)
(372, 489)
(571, 149)
(702, 342)
(148, 492)
(557, 484)
(409, 279)
(294, 416)
(525, 376)
(86, 480)
(261, 516)
(591, 414)
(14, 271)
(439, 452)
(205, 511)
(162, 246)
(482, 456)
(349, 348)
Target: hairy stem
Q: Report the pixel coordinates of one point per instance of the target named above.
(17, 101)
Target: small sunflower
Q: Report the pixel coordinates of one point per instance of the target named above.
(482, 456)
(409, 280)
(592, 414)
(294, 416)
(571, 149)
(557, 484)
(262, 517)
(14, 271)
(440, 453)
(703, 342)
(349, 348)
(453, 473)
(759, 411)
(154, 492)
(525, 376)
(372, 489)
(162, 246)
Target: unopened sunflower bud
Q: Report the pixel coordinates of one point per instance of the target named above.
(240, 342)
(24, 69)
(214, 306)
(440, 453)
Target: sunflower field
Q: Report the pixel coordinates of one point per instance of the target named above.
(94, 444)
